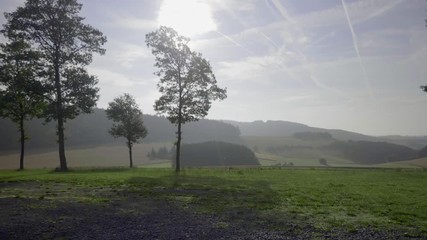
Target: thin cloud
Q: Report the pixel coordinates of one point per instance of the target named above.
(134, 23)
(237, 5)
(112, 78)
(235, 43)
(297, 38)
(373, 9)
(127, 54)
(283, 12)
(296, 98)
(356, 48)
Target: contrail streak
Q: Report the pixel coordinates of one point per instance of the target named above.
(236, 43)
(306, 63)
(231, 12)
(283, 12)
(320, 39)
(356, 48)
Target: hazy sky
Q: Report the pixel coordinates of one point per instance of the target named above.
(353, 65)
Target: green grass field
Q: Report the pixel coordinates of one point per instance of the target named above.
(324, 198)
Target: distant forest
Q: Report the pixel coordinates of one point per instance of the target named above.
(92, 129)
(364, 152)
(217, 154)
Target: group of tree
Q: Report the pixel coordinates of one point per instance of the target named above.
(43, 65)
(187, 86)
(43, 74)
(161, 153)
(364, 152)
(217, 154)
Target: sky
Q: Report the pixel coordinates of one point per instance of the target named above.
(337, 64)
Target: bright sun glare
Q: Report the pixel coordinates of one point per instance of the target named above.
(187, 17)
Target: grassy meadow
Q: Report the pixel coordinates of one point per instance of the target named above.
(337, 200)
(325, 199)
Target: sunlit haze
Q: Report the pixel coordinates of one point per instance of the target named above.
(342, 64)
(188, 17)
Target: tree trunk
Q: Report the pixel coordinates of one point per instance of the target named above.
(22, 130)
(61, 139)
(178, 142)
(61, 142)
(178, 148)
(130, 155)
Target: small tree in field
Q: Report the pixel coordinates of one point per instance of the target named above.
(66, 44)
(187, 83)
(20, 91)
(127, 121)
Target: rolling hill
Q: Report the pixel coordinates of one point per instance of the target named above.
(92, 130)
(275, 142)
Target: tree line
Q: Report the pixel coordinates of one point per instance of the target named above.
(90, 130)
(43, 75)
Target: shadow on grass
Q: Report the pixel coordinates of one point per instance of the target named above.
(209, 194)
(85, 170)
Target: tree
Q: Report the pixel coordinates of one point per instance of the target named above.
(187, 83)
(125, 113)
(21, 98)
(66, 45)
(152, 155)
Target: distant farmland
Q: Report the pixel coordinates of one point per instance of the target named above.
(97, 156)
(115, 155)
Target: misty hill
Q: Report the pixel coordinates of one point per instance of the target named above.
(285, 128)
(315, 146)
(92, 130)
(287, 139)
(416, 142)
(313, 136)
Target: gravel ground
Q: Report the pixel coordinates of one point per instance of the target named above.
(131, 216)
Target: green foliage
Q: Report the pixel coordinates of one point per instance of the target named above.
(79, 94)
(187, 83)
(127, 121)
(124, 111)
(65, 45)
(21, 94)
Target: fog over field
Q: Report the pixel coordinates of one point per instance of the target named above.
(353, 65)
